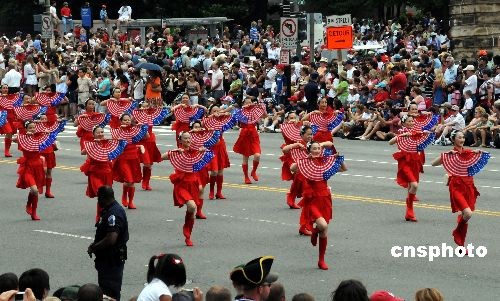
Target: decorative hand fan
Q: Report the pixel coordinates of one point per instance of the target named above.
(36, 142)
(131, 134)
(49, 99)
(29, 112)
(205, 138)
(104, 150)
(416, 142)
(190, 161)
(467, 163)
(151, 116)
(89, 121)
(321, 168)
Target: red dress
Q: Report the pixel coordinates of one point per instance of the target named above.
(49, 100)
(183, 116)
(461, 166)
(222, 124)
(98, 166)
(409, 156)
(7, 103)
(49, 127)
(86, 124)
(127, 167)
(291, 134)
(186, 165)
(317, 196)
(248, 142)
(150, 117)
(324, 123)
(207, 139)
(117, 107)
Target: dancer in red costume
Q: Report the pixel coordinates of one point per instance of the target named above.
(51, 100)
(324, 121)
(98, 168)
(248, 143)
(187, 163)
(87, 121)
(185, 114)
(7, 103)
(202, 139)
(410, 143)
(149, 116)
(461, 165)
(30, 171)
(43, 125)
(118, 106)
(291, 130)
(221, 121)
(317, 169)
(127, 167)
(29, 110)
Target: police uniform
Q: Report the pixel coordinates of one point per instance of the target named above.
(110, 262)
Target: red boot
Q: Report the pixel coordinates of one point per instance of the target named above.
(34, 205)
(29, 203)
(460, 231)
(290, 201)
(8, 143)
(323, 241)
(131, 193)
(188, 228)
(254, 170)
(199, 213)
(48, 184)
(212, 187)
(304, 231)
(245, 173)
(146, 176)
(314, 236)
(125, 196)
(219, 195)
(410, 215)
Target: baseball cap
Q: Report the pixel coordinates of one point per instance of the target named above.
(280, 66)
(384, 296)
(469, 68)
(381, 85)
(455, 108)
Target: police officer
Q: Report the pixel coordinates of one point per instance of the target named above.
(110, 243)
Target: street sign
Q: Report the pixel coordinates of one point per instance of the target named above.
(288, 30)
(285, 56)
(47, 28)
(339, 37)
(338, 20)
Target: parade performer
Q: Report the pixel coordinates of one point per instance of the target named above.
(423, 121)
(220, 121)
(248, 143)
(185, 114)
(291, 130)
(29, 110)
(50, 100)
(150, 117)
(100, 154)
(9, 128)
(317, 169)
(43, 125)
(30, 171)
(187, 163)
(202, 139)
(410, 143)
(461, 165)
(324, 121)
(87, 121)
(127, 167)
(118, 106)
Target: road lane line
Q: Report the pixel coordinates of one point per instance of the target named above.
(64, 234)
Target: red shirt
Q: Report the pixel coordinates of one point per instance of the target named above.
(398, 83)
(381, 96)
(66, 12)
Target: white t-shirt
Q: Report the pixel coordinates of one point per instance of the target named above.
(471, 84)
(12, 79)
(349, 73)
(53, 11)
(352, 99)
(30, 75)
(125, 13)
(468, 105)
(496, 80)
(271, 76)
(458, 121)
(216, 76)
(154, 290)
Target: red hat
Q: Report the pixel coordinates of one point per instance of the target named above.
(280, 66)
(384, 296)
(483, 52)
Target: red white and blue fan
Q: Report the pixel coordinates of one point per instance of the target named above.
(221, 123)
(204, 138)
(416, 142)
(326, 121)
(3, 118)
(186, 114)
(49, 99)
(426, 122)
(320, 168)
(464, 164)
(250, 114)
(89, 121)
(150, 116)
(36, 142)
(291, 131)
(300, 153)
(131, 134)
(120, 106)
(9, 101)
(190, 161)
(104, 150)
(29, 112)
(50, 127)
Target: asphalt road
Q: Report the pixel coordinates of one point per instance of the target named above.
(254, 221)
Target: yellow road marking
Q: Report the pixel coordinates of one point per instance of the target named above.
(335, 196)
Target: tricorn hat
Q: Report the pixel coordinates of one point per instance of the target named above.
(253, 273)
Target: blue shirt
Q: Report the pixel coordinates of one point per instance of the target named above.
(254, 34)
(103, 14)
(450, 75)
(280, 82)
(105, 87)
(37, 44)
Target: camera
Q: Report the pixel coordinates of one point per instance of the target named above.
(19, 296)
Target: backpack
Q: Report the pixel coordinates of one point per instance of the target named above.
(177, 64)
(199, 66)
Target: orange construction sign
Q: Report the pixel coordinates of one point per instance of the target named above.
(339, 37)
